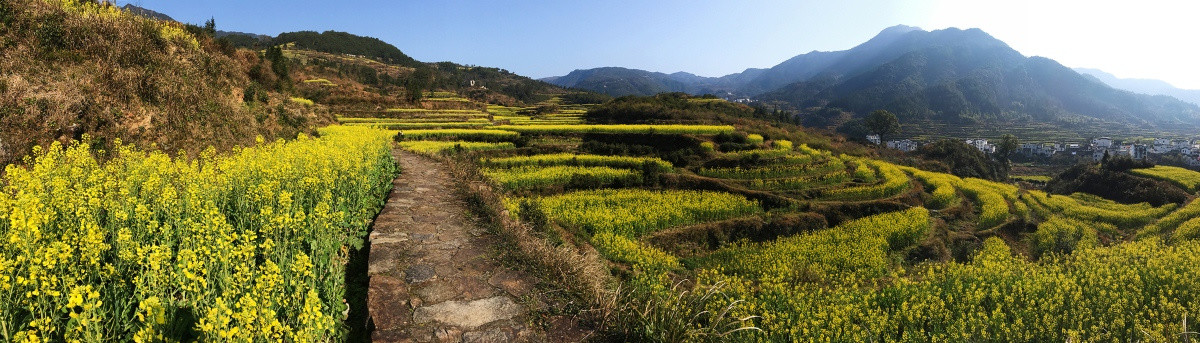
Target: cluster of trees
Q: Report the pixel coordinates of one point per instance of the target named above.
(669, 108)
(344, 43)
(964, 160)
(453, 76)
(959, 158)
(1111, 179)
(581, 98)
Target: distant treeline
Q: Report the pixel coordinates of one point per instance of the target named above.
(333, 42)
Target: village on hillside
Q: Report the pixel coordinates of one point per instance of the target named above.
(1097, 148)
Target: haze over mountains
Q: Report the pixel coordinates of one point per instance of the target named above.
(952, 75)
(1144, 86)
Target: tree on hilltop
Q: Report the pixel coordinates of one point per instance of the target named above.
(417, 82)
(882, 122)
(210, 27)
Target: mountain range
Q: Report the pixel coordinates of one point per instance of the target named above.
(950, 75)
(1144, 86)
(152, 14)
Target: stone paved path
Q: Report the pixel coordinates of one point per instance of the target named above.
(432, 275)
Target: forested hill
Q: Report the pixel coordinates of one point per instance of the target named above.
(372, 63)
(951, 75)
(344, 43)
(967, 76)
(623, 81)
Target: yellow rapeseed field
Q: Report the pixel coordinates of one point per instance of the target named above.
(249, 245)
(1187, 179)
(438, 147)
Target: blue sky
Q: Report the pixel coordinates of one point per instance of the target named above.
(1132, 39)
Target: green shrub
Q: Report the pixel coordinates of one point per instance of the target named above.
(51, 34)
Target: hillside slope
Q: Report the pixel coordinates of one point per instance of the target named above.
(70, 70)
(377, 74)
(345, 43)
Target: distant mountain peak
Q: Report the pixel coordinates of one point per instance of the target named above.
(145, 12)
(900, 29)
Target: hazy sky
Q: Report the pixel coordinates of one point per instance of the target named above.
(1131, 39)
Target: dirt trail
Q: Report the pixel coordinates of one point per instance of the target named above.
(433, 278)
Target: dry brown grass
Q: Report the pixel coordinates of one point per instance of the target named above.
(579, 267)
(69, 71)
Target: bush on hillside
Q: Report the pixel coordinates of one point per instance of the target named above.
(1118, 186)
(963, 160)
(665, 108)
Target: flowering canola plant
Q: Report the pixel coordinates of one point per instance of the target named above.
(633, 212)
(1184, 178)
(438, 147)
(1138, 290)
(245, 246)
(530, 177)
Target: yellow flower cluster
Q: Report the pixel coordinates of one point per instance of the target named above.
(1094, 209)
(532, 177)
(434, 120)
(754, 138)
(439, 147)
(1184, 178)
(460, 134)
(857, 248)
(803, 167)
(806, 150)
(1062, 235)
(301, 101)
(145, 247)
(422, 125)
(577, 160)
(780, 144)
(855, 282)
(434, 113)
(627, 128)
(893, 182)
(995, 201)
(633, 212)
(798, 183)
(779, 148)
(621, 249)
(863, 172)
(941, 187)
(993, 208)
(1168, 223)
(1138, 291)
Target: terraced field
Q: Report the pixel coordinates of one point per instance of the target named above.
(818, 246)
